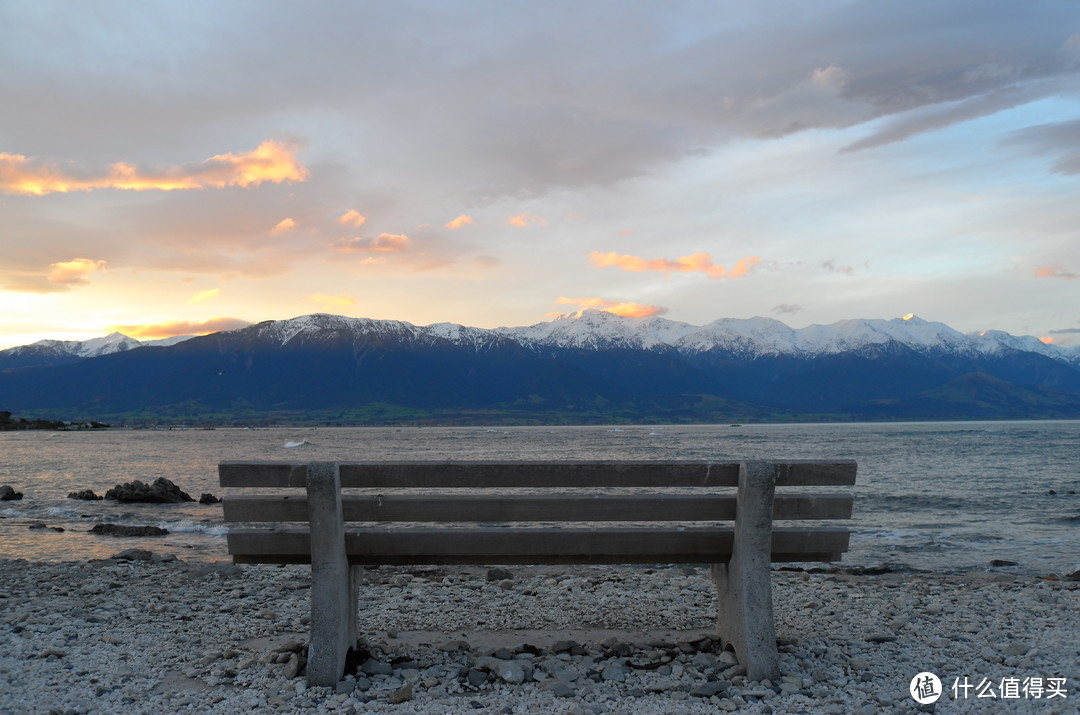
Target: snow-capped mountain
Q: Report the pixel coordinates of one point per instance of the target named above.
(596, 330)
(769, 337)
(58, 352)
(588, 366)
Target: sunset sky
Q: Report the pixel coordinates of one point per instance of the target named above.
(186, 167)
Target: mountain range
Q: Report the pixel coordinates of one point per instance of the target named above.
(591, 366)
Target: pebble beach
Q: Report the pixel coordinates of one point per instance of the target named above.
(149, 633)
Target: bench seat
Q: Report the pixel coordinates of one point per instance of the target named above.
(375, 546)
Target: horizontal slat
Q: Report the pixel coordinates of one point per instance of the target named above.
(536, 474)
(262, 474)
(533, 545)
(531, 507)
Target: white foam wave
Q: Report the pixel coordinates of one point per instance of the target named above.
(61, 511)
(187, 526)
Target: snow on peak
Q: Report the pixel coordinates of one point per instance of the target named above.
(316, 325)
(114, 343)
(592, 328)
(766, 336)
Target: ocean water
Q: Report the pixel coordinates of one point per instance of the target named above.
(945, 497)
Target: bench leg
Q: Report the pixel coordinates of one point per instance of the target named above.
(744, 584)
(356, 579)
(333, 610)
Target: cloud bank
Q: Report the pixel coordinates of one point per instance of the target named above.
(271, 161)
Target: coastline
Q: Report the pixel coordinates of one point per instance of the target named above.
(166, 635)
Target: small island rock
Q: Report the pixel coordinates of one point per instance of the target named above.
(123, 530)
(85, 495)
(9, 494)
(162, 491)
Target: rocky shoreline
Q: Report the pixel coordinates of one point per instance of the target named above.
(150, 634)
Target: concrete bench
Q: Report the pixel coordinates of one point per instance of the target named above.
(488, 513)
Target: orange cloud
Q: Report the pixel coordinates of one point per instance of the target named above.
(1047, 340)
(283, 226)
(522, 220)
(272, 161)
(73, 272)
(180, 327)
(626, 310)
(1054, 272)
(333, 302)
(353, 218)
(204, 296)
(383, 243)
(460, 221)
(694, 263)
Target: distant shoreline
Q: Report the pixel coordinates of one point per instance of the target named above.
(42, 424)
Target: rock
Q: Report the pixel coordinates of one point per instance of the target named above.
(376, 667)
(510, 672)
(122, 530)
(9, 494)
(402, 695)
(162, 491)
(289, 647)
(497, 574)
(1003, 562)
(558, 688)
(618, 649)
(1074, 576)
(707, 690)
(704, 661)
(614, 671)
(454, 646)
(881, 638)
(85, 495)
(292, 667)
(1016, 648)
(209, 499)
(476, 677)
(133, 555)
(564, 673)
(43, 525)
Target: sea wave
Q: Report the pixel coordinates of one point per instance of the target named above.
(63, 512)
(188, 526)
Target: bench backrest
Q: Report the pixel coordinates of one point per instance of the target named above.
(685, 494)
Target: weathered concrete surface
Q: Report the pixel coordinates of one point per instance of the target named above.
(331, 591)
(744, 584)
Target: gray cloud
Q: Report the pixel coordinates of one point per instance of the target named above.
(1060, 140)
(832, 266)
(510, 99)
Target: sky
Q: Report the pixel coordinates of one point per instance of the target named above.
(177, 167)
